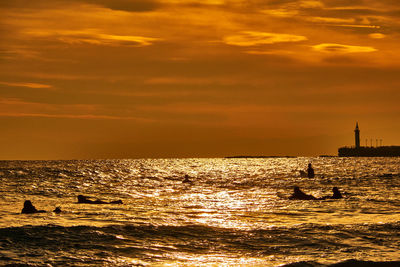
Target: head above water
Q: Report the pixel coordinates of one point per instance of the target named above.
(57, 210)
(81, 198)
(336, 191)
(28, 204)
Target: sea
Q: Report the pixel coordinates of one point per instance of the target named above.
(234, 212)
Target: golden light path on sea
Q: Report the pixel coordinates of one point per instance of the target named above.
(169, 79)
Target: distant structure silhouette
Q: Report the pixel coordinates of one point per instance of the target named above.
(357, 136)
(365, 151)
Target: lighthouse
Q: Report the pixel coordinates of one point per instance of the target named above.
(366, 151)
(357, 136)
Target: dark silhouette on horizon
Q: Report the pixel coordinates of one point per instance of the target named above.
(85, 200)
(29, 208)
(367, 151)
(357, 136)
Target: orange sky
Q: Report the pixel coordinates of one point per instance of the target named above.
(209, 78)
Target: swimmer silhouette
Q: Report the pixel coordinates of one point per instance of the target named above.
(29, 208)
(310, 171)
(85, 200)
(300, 195)
(336, 194)
(57, 210)
(186, 180)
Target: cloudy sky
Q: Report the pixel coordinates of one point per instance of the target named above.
(196, 78)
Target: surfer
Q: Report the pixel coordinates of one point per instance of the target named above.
(57, 210)
(300, 195)
(85, 200)
(186, 179)
(336, 194)
(310, 171)
(29, 208)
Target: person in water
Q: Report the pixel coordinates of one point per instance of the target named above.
(29, 208)
(300, 195)
(310, 171)
(85, 200)
(186, 180)
(336, 194)
(57, 210)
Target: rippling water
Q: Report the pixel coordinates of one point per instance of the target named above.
(233, 213)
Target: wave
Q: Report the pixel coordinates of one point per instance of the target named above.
(346, 263)
(359, 263)
(52, 244)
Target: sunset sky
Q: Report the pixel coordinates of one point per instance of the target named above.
(199, 78)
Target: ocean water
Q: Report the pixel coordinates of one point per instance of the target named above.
(234, 213)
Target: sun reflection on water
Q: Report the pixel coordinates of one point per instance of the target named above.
(235, 211)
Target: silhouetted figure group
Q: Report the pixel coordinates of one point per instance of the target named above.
(297, 194)
(300, 195)
(30, 209)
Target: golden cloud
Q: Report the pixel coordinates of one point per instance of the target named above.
(359, 26)
(293, 8)
(14, 107)
(340, 48)
(311, 4)
(282, 12)
(203, 2)
(191, 81)
(376, 35)
(251, 38)
(330, 20)
(28, 85)
(92, 37)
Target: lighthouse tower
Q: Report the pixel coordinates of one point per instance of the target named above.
(357, 136)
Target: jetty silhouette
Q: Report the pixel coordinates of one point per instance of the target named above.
(367, 151)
